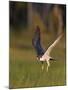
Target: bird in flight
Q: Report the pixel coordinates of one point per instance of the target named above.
(43, 55)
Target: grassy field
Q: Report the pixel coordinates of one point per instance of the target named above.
(25, 70)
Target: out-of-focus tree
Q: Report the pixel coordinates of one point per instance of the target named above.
(29, 15)
(56, 21)
(18, 14)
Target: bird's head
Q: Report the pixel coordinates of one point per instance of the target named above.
(38, 57)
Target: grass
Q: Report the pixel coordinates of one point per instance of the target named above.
(27, 73)
(25, 70)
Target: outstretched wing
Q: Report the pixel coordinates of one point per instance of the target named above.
(53, 45)
(36, 42)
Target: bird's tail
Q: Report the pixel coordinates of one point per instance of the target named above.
(52, 59)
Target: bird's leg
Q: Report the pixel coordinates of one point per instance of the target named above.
(48, 64)
(42, 65)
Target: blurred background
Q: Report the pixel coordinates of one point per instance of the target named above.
(23, 19)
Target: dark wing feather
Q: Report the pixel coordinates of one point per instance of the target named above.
(36, 43)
